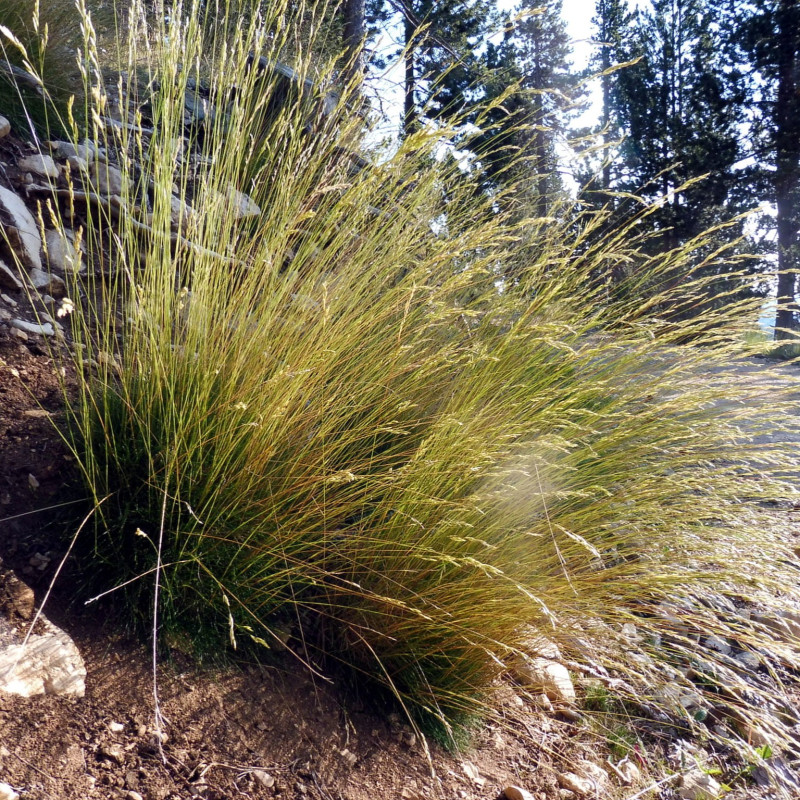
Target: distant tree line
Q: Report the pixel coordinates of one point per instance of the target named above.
(711, 89)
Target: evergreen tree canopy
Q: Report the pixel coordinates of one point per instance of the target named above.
(768, 35)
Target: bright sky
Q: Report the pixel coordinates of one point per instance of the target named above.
(578, 16)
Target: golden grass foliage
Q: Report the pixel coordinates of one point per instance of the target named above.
(343, 415)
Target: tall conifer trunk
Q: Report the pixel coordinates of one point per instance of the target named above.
(787, 165)
(354, 38)
(409, 89)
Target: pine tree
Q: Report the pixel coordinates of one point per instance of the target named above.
(441, 41)
(503, 132)
(769, 35)
(543, 52)
(611, 21)
(680, 109)
(353, 37)
(518, 140)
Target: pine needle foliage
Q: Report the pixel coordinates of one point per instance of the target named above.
(385, 415)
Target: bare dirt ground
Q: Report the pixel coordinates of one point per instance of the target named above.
(252, 730)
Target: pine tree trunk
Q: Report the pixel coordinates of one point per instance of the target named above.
(409, 104)
(354, 38)
(605, 83)
(787, 164)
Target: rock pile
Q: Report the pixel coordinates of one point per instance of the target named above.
(37, 256)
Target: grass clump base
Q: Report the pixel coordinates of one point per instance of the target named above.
(390, 421)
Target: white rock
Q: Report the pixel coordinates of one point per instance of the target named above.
(116, 727)
(748, 660)
(534, 644)
(673, 616)
(181, 214)
(264, 778)
(243, 206)
(40, 165)
(87, 151)
(5, 127)
(594, 773)
(573, 783)
(103, 178)
(471, 771)
(61, 252)
(718, 643)
(48, 664)
(8, 278)
(46, 282)
(642, 659)
(542, 702)
(543, 675)
(780, 623)
(630, 633)
(689, 700)
(792, 621)
(7, 792)
(698, 785)
(629, 773)
(108, 180)
(31, 327)
(23, 231)
(517, 793)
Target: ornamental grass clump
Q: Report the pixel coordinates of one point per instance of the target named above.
(383, 415)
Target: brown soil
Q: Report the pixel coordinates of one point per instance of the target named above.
(249, 731)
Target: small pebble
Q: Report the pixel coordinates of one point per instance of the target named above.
(116, 727)
(264, 778)
(517, 793)
(113, 753)
(570, 715)
(574, 783)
